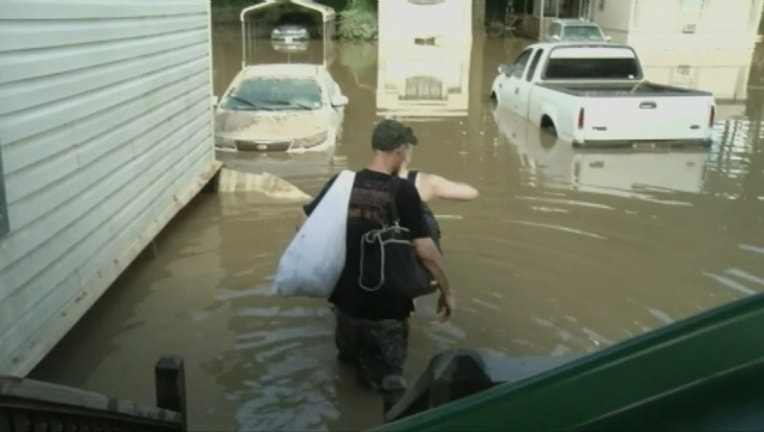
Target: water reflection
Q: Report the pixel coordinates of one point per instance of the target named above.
(290, 47)
(553, 162)
(736, 159)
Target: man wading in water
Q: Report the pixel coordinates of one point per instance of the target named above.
(430, 187)
(372, 326)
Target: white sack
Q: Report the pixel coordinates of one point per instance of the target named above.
(313, 261)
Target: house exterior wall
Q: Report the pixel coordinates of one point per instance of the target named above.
(106, 133)
(719, 24)
(701, 44)
(614, 16)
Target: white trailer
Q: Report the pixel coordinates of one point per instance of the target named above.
(106, 132)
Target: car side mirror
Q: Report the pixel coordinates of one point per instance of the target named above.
(608, 38)
(504, 69)
(340, 101)
(556, 37)
(215, 101)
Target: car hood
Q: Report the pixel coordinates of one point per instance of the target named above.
(270, 125)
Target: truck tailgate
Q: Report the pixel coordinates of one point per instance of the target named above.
(646, 118)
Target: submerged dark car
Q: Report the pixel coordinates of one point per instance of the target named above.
(290, 38)
(290, 33)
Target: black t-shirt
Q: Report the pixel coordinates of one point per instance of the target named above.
(367, 209)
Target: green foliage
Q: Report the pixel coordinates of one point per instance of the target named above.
(358, 22)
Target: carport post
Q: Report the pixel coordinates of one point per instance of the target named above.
(243, 43)
(541, 19)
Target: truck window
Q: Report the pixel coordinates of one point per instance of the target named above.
(519, 66)
(534, 64)
(592, 68)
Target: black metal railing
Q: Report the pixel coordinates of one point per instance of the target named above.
(28, 405)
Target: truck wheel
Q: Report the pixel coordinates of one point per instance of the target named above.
(547, 125)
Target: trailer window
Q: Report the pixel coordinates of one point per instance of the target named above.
(592, 68)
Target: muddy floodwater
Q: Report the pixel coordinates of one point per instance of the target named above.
(565, 251)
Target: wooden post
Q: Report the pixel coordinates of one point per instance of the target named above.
(170, 385)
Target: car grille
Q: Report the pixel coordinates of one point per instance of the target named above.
(263, 145)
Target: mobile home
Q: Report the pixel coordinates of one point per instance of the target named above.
(105, 134)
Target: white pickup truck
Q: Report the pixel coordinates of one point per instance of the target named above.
(594, 94)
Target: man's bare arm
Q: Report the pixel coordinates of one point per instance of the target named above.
(444, 188)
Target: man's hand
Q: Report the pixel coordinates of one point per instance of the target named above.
(446, 305)
(433, 262)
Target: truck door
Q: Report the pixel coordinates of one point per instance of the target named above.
(510, 87)
(525, 84)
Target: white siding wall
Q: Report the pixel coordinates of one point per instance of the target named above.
(716, 57)
(614, 16)
(720, 24)
(106, 132)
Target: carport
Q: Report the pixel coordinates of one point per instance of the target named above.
(328, 16)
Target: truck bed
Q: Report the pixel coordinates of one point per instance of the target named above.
(643, 88)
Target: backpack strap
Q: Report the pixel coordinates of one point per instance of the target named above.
(392, 188)
(412, 176)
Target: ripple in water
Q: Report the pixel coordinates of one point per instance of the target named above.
(290, 353)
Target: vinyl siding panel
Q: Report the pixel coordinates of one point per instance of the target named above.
(105, 132)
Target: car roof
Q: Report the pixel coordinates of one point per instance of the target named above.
(283, 69)
(578, 44)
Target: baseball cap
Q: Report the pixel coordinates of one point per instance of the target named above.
(389, 134)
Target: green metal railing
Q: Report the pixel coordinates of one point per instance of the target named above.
(704, 372)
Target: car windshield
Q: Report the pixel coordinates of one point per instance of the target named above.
(275, 94)
(582, 33)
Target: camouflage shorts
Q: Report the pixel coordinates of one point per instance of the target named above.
(378, 349)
